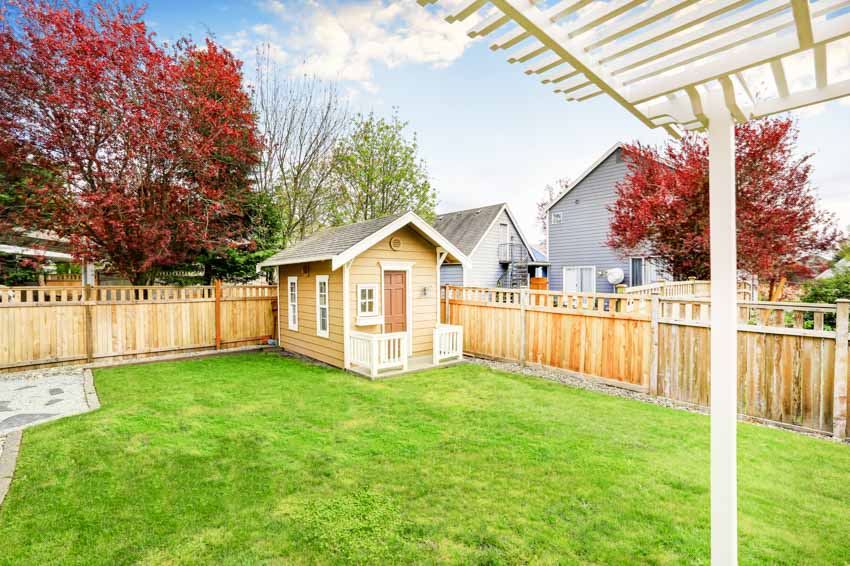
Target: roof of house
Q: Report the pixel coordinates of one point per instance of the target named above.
(466, 228)
(537, 255)
(343, 243)
(840, 265)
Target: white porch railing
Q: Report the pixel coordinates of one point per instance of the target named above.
(448, 343)
(376, 352)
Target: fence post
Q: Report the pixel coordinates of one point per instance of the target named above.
(523, 299)
(87, 298)
(839, 404)
(217, 314)
(653, 348)
(620, 289)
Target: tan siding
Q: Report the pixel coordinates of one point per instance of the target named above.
(367, 269)
(304, 341)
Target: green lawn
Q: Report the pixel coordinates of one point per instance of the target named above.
(259, 459)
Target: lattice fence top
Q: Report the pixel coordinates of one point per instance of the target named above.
(669, 61)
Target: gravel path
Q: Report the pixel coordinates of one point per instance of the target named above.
(33, 397)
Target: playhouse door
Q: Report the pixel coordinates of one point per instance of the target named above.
(395, 314)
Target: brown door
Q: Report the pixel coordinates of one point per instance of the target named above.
(395, 303)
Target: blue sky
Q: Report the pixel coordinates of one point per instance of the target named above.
(488, 132)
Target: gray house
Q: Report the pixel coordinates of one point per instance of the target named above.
(491, 238)
(579, 221)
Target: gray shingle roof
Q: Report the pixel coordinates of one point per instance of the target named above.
(465, 228)
(331, 241)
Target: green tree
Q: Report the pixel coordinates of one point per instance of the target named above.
(237, 262)
(377, 171)
(830, 289)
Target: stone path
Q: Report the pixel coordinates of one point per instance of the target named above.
(30, 398)
(33, 397)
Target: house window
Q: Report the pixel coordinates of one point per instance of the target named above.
(292, 295)
(366, 303)
(557, 217)
(322, 322)
(580, 279)
(643, 270)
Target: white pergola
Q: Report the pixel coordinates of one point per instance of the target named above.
(686, 65)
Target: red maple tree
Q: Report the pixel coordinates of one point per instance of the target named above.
(662, 205)
(152, 146)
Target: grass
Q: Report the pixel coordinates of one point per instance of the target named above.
(258, 459)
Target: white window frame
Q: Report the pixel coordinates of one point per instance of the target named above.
(373, 317)
(643, 259)
(319, 332)
(578, 267)
(292, 313)
(557, 218)
(367, 287)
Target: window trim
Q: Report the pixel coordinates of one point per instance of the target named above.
(367, 287)
(292, 314)
(578, 267)
(643, 259)
(319, 332)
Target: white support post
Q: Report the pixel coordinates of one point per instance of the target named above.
(724, 346)
(346, 315)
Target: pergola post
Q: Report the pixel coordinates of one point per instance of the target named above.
(724, 345)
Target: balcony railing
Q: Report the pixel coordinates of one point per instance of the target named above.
(513, 253)
(448, 343)
(376, 352)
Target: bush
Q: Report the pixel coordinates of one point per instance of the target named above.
(828, 290)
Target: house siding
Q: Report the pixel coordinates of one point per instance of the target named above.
(579, 240)
(451, 274)
(305, 341)
(366, 269)
(486, 269)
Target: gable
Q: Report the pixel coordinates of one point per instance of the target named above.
(412, 243)
(600, 183)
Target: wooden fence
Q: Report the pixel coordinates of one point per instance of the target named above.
(687, 288)
(792, 357)
(59, 325)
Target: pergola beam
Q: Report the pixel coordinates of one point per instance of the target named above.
(671, 28)
(537, 24)
(780, 47)
(627, 26)
(778, 71)
(803, 21)
(753, 24)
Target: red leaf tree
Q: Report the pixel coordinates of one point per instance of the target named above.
(662, 204)
(152, 146)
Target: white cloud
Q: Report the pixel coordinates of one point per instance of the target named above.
(348, 42)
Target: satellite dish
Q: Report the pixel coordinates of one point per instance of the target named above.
(615, 276)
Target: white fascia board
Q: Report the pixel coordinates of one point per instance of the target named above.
(409, 218)
(519, 230)
(587, 172)
(271, 262)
